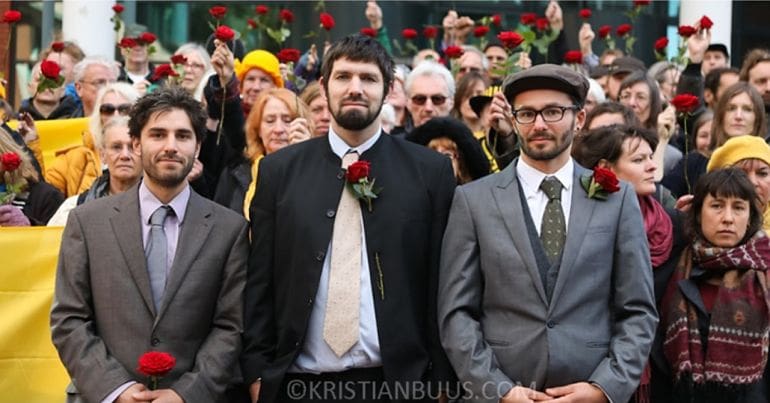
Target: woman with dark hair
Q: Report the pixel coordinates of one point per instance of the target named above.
(610, 113)
(641, 93)
(469, 86)
(713, 332)
(740, 111)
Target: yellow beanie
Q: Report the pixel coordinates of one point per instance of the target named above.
(737, 149)
(259, 59)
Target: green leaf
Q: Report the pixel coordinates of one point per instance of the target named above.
(529, 36)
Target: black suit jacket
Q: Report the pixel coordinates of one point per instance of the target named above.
(292, 217)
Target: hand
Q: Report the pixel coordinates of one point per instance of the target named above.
(254, 391)
(196, 171)
(142, 86)
(12, 216)
(373, 13)
(578, 393)
(554, 15)
(448, 23)
(158, 396)
(312, 58)
(501, 117)
(666, 123)
(684, 203)
(586, 36)
(127, 395)
(27, 127)
(298, 131)
(524, 395)
(524, 61)
(223, 62)
(463, 27)
(698, 43)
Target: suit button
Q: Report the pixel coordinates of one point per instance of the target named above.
(330, 213)
(550, 324)
(296, 344)
(320, 256)
(155, 341)
(341, 174)
(310, 302)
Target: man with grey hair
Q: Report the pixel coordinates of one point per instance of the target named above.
(472, 60)
(430, 91)
(91, 74)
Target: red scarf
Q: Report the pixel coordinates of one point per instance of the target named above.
(659, 229)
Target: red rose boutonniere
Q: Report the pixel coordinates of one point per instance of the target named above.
(155, 364)
(357, 176)
(600, 184)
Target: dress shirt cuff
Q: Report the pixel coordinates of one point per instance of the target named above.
(602, 389)
(115, 393)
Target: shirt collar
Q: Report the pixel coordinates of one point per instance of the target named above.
(148, 203)
(530, 178)
(340, 147)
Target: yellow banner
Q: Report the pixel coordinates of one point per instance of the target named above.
(30, 370)
(56, 135)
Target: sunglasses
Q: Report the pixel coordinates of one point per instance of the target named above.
(109, 109)
(435, 99)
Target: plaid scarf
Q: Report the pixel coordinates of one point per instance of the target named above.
(735, 353)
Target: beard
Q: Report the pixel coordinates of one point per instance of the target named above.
(167, 179)
(354, 119)
(561, 143)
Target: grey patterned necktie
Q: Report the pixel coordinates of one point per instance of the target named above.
(552, 230)
(157, 254)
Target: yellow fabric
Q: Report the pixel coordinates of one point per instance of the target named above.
(75, 169)
(56, 135)
(252, 186)
(30, 370)
(260, 59)
(737, 149)
(482, 138)
(766, 218)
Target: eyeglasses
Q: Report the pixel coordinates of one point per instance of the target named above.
(96, 83)
(195, 66)
(465, 70)
(435, 99)
(550, 114)
(109, 109)
(640, 98)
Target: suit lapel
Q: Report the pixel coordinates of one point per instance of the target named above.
(194, 231)
(508, 200)
(126, 222)
(581, 212)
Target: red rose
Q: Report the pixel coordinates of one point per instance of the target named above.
(510, 39)
(10, 161)
(127, 43)
(155, 363)
(453, 52)
(178, 59)
(661, 44)
(163, 71)
(118, 8)
(542, 24)
(497, 20)
(368, 31)
(623, 29)
(606, 179)
(640, 3)
(327, 21)
(357, 171)
(224, 33)
(686, 31)
(430, 32)
(218, 12)
(11, 16)
(261, 9)
(706, 23)
(409, 34)
(528, 18)
(480, 31)
(685, 103)
(288, 55)
(604, 31)
(147, 38)
(585, 13)
(57, 46)
(286, 16)
(573, 56)
(252, 23)
(50, 69)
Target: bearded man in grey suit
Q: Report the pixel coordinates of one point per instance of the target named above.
(546, 293)
(157, 267)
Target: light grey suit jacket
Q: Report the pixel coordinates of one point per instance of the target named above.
(496, 323)
(103, 317)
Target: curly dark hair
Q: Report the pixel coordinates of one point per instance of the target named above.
(360, 48)
(164, 100)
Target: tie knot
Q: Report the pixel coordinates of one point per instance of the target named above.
(552, 188)
(159, 216)
(349, 158)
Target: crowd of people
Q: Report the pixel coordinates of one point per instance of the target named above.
(567, 231)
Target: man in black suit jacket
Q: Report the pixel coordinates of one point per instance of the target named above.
(293, 217)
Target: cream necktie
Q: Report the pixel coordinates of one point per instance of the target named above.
(344, 295)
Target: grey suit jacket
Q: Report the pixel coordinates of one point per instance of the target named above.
(103, 317)
(496, 324)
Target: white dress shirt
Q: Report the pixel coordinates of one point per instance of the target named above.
(530, 180)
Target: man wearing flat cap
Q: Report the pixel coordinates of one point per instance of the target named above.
(546, 289)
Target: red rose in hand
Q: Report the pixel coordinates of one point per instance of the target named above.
(409, 34)
(510, 39)
(685, 103)
(147, 38)
(453, 52)
(156, 363)
(497, 20)
(480, 31)
(604, 31)
(686, 31)
(127, 43)
(528, 18)
(218, 12)
(57, 47)
(286, 16)
(623, 29)
(430, 32)
(224, 33)
(327, 21)
(118, 8)
(357, 171)
(178, 59)
(368, 31)
(50, 69)
(585, 13)
(574, 57)
(11, 16)
(640, 3)
(163, 71)
(706, 23)
(261, 9)
(606, 179)
(542, 24)
(10, 161)
(252, 23)
(661, 44)
(288, 55)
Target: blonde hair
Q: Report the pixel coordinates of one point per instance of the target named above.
(125, 90)
(26, 173)
(462, 175)
(297, 109)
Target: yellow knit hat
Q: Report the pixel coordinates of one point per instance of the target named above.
(260, 59)
(739, 148)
